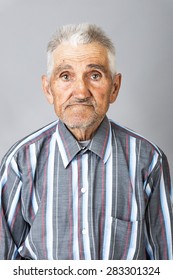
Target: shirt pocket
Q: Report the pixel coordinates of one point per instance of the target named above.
(126, 236)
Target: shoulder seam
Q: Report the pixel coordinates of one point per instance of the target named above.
(136, 135)
(31, 138)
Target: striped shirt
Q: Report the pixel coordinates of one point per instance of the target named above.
(109, 200)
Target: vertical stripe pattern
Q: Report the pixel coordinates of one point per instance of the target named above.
(108, 199)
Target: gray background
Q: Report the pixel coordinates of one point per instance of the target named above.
(142, 31)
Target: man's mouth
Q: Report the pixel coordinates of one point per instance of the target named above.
(79, 104)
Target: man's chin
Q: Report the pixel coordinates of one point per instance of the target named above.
(80, 123)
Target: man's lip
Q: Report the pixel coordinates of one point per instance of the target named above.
(76, 104)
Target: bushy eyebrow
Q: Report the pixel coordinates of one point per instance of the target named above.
(63, 67)
(98, 66)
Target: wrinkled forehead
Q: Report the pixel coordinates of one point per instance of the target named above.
(80, 53)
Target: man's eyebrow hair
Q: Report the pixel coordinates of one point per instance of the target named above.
(98, 66)
(62, 67)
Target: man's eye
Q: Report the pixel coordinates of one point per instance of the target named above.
(95, 76)
(65, 77)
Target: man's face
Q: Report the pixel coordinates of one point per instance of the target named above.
(81, 86)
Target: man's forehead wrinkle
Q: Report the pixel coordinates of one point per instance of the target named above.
(76, 55)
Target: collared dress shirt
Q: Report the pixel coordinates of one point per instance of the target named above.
(109, 200)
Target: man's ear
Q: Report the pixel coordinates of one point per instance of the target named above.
(116, 87)
(46, 89)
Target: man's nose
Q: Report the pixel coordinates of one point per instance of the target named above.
(80, 89)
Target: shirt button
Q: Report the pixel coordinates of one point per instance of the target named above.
(83, 190)
(84, 231)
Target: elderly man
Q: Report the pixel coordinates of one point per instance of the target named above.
(84, 187)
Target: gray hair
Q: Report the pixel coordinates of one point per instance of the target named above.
(80, 34)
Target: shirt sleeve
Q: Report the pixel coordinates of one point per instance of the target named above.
(12, 224)
(159, 215)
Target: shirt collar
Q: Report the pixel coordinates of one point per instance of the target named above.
(69, 146)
